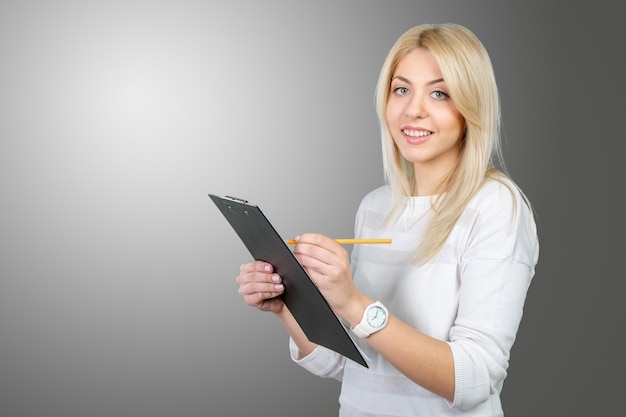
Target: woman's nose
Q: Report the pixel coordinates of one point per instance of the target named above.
(416, 108)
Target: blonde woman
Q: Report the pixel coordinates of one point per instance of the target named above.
(447, 296)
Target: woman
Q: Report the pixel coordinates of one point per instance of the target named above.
(447, 295)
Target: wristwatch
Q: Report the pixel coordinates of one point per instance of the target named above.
(374, 319)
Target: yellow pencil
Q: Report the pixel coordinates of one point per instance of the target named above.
(353, 241)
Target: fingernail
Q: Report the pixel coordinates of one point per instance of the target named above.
(267, 268)
(275, 278)
(278, 286)
(296, 238)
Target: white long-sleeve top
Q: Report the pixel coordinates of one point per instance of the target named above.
(471, 296)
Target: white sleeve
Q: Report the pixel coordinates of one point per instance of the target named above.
(322, 362)
(496, 271)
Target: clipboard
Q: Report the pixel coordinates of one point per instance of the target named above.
(301, 296)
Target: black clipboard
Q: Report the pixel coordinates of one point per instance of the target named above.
(301, 296)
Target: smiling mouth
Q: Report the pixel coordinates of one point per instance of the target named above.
(417, 133)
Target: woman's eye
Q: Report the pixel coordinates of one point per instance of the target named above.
(403, 91)
(439, 95)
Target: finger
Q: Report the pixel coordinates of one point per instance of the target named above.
(322, 241)
(316, 239)
(256, 293)
(319, 246)
(272, 285)
(319, 258)
(312, 263)
(254, 275)
(256, 266)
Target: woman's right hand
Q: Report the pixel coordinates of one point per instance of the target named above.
(260, 286)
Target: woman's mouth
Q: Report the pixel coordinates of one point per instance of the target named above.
(416, 136)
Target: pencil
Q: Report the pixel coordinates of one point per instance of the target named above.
(353, 241)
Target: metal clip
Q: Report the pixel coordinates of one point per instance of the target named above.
(241, 200)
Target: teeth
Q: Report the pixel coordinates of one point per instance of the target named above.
(416, 133)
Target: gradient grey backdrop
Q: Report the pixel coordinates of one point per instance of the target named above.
(117, 274)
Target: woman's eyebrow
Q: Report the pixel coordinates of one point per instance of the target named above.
(405, 80)
(437, 81)
(401, 78)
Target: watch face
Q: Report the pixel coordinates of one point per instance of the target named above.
(376, 316)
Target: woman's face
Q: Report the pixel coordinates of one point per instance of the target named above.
(423, 120)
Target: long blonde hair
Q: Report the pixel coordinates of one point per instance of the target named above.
(468, 73)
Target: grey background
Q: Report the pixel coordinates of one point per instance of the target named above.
(117, 275)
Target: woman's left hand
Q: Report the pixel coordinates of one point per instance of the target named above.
(328, 265)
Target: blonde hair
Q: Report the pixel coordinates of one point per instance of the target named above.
(468, 73)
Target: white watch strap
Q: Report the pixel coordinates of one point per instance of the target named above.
(359, 332)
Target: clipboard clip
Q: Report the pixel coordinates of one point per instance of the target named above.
(241, 200)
